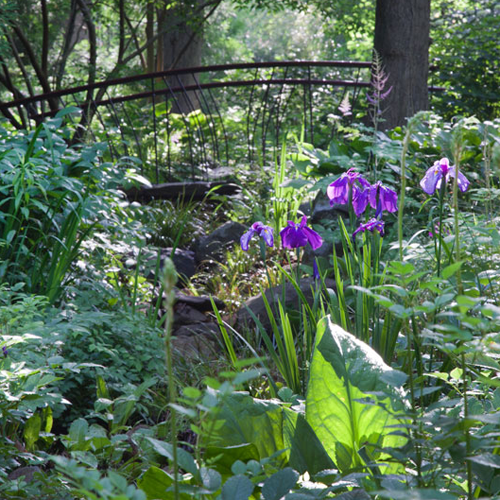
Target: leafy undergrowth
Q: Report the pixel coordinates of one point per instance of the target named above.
(383, 385)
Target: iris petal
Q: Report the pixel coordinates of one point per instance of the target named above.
(359, 200)
(462, 181)
(371, 225)
(389, 199)
(429, 182)
(265, 232)
(299, 235)
(267, 236)
(440, 171)
(313, 238)
(245, 239)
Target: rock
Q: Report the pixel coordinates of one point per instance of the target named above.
(185, 315)
(195, 190)
(322, 210)
(184, 261)
(27, 473)
(273, 295)
(305, 209)
(189, 310)
(197, 340)
(201, 303)
(213, 246)
(324, 253)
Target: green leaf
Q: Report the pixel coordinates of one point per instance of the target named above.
(227, 456)
(349, 402)
(237, 488)
(155, 483)
(487, 459)
(306, 451)
(32, 431)
(417, 494)
(210, 479)
(184, 459)
(242, 419)
(450, 270)
(77, 434)
(279, 484)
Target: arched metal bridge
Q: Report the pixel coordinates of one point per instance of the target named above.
(187, 123)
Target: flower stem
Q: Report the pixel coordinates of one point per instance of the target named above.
(440, 239)
(169, 279)
(406, 143)
(458, 154)
(470, 495)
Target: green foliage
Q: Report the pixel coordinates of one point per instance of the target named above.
(352, 413)
(51, 198)
(465, 49)
(354, 401)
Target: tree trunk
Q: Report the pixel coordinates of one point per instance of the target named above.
(181, 48)
(402, 40)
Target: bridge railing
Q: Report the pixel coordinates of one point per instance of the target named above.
(190, 123)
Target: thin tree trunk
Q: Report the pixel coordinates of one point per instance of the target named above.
(45, 38)
(402, 40)
(150, 51)
(69, 43)
(121, 46)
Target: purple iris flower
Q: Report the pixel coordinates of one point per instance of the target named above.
(338, 191)
(316, 274)
(441, 169)
(445, 232)
(371, 225)
(299, 235)
(382, 198)
(265, 232)
(5, 351)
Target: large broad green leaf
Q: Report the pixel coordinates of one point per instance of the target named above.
(306, 453)
(353, 402)
(246, 424)
(242, 419)
(155, 482)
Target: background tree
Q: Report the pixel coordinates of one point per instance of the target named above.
(57, 44)
(402, 39)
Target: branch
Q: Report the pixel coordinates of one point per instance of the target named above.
(92, 40)
(136, 42)
(45, 37)
(20, 63)
(34, 63)
(121, 45)
(12, 119)
(68, 46)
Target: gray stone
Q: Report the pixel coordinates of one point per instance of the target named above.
(27, 473)
(184, 261)
(213, 246)
(324, 253)
(274, 295)
(323, 211)
(186, 315)
(196, 340)
(201, 302)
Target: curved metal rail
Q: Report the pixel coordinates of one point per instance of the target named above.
(226, 115)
